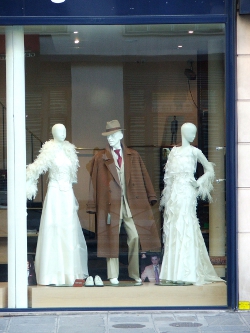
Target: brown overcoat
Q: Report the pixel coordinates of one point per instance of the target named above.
(105, 200)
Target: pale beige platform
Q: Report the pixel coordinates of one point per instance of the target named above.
(3, 236)
(147, 295)
(3, 294)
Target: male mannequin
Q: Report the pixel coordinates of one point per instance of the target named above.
(121, 193)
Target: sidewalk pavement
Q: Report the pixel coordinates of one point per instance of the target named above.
(126, 322)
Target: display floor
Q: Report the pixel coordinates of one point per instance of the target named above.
(145, 295)
(3, 294)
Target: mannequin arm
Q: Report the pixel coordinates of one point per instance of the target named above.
(168, 180)
(205, 182)
(33, 171)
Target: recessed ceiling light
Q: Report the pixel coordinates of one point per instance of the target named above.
(179, 46)
(191, 32)
(77, 41)
(57, 1)
(75, 32)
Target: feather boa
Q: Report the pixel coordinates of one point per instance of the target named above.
(44, 162)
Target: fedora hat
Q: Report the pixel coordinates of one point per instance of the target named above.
(112, 127)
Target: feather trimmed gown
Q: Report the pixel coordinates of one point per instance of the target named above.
(61, 255)
(185, 256)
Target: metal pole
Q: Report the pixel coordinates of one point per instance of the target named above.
(16, 164)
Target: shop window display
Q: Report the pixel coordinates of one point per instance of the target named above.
(137, 76)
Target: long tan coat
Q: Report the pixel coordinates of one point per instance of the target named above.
(105, 198)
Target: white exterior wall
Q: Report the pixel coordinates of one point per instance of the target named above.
(243, 115)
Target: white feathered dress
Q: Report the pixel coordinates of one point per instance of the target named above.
(61, 255)
(185, 256)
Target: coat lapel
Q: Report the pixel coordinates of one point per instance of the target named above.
(127, 163)
(110, 164)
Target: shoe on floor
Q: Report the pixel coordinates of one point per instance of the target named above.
(89, 282)
(98, 281)
(138, 280)
(114, 281)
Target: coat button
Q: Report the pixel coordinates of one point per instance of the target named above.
(137, 197)
(109, 203)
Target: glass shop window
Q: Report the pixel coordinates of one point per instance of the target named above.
(144, 106)
(3, 177)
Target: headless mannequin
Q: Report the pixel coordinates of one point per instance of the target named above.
(61, 255)
(114, 141)
(185, 257)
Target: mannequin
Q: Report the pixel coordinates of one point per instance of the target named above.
(185, 257)
(61, 255)
(121, 192)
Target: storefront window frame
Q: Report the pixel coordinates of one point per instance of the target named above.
(229, 19)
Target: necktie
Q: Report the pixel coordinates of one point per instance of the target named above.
(119, 158)
(157, 280)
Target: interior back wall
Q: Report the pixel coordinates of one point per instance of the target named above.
(97, 97)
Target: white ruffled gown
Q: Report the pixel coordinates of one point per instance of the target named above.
(61, 255)
(185, 256)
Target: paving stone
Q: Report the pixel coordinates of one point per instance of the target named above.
(165, 318)
(179, 331)
(231, 329)
(209, 329)
(86, 329)
(69, 326)
(186, 318)
(213, 331)
(88, 319)
(246, 317)
(81, 321)
(234, 329)
(130, 319)
(3, 323)
(31, 329)
(33, 320)
(171, 329)
(222, 320)
(132, 330)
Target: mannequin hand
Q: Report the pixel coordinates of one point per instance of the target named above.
(193, 182)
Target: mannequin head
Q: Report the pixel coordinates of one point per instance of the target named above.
(114, 139)
(59, 132)
(188, 132)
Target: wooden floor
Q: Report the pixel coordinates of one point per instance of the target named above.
(146, 295)
(3, 294)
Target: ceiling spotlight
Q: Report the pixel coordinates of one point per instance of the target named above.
(179, 46)
(76, 41)
(57, 1)
(191, 32)
(75, 32)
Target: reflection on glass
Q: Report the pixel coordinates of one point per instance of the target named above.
(139, 75)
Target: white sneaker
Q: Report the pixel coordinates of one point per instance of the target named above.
(138, 280)
(114, 281)
(98, 281)
(89, 282)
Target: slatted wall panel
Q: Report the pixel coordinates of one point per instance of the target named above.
(48, 101)
(153, 94)
(48, 97)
